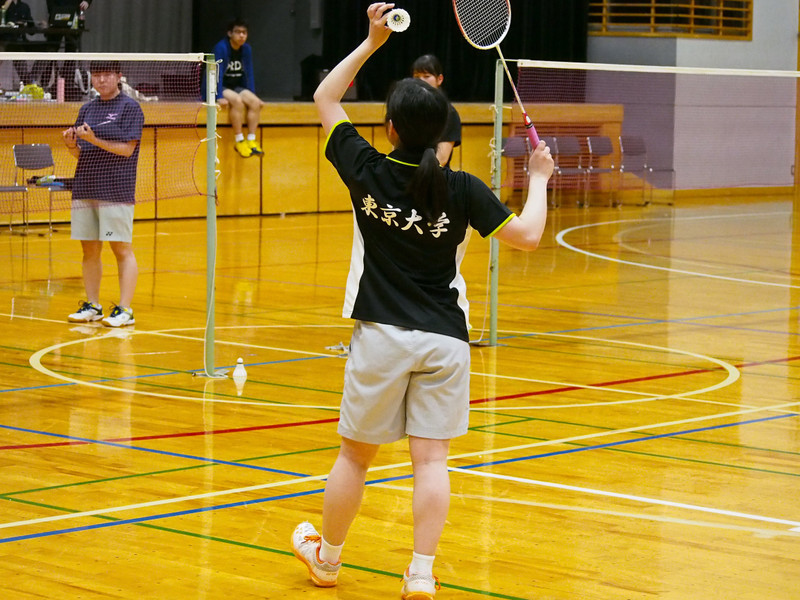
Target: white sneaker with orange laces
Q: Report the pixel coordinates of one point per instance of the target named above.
(305, 545)
(419, 587)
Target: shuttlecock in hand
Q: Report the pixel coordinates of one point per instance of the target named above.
(239, 376)
(398, 20)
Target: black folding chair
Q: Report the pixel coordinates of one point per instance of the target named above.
(600, 148)
(633, 160)
(568, 157)
(29, 158)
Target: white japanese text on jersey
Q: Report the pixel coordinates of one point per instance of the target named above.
(393, 216)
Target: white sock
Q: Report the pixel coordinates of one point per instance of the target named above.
(330, 553)
(238, 137)
(421, 564)
(251, 137)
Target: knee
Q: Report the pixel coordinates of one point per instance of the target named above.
(358, 454)
(91, 250)
(235, 103)
(122, 251)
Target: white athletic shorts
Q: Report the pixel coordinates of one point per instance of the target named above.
(401, 382)
(104, 221)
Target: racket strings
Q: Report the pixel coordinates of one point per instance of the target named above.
(483, 22)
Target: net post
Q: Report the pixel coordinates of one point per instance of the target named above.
(497, 177)
(211, 211)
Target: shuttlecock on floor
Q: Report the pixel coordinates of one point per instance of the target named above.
(239, 376)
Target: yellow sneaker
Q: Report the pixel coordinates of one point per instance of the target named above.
(243, 148)
(255, 148)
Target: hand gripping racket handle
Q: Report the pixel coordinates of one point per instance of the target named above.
(531, 131)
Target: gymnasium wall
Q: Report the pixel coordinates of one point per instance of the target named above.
(692, 136)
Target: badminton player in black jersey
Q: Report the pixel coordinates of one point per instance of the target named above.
(408, 369)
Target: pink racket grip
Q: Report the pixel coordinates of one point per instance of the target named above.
(532, 135)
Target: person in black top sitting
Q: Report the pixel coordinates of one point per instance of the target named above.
(18, 13)
(46, 73)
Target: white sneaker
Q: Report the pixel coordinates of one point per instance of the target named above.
(305, 545)
(419, 587)
(119, 317)
(87, 312)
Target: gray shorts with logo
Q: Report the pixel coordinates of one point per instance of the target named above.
(104, 221)
(404, 382)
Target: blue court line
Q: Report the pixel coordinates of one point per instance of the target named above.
(192, 511)
(151, 450)
(631, 441)
(377, 481)
(36, 387)
(693, 320)
(636, 323)
(135, 377)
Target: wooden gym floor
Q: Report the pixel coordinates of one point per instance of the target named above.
(635, 434)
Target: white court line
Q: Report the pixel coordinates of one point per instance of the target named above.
(561, 242)
(113, 509)
(619, 239)
(733, 375)
(642, 396)
(255, 346)
(638, 428)
(36, 362)
(481, 453)
(642, 499)
(610, 513)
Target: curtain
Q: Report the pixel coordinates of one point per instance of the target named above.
(138, 26)
(540, 30)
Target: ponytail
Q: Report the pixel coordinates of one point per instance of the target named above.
(419, 115)
(429, 186)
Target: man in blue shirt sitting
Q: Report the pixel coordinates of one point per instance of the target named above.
(236, 87)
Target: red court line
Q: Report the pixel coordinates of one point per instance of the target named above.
(631, 380)
(334, 420)
(603, 384)
(176, 435)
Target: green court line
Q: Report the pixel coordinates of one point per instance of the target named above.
(147, 382)
(654, 455)
(262, 548)
(711, 368)
(163, 370)
(518, 419)
(8, 495)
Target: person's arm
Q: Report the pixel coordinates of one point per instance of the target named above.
(443, 152)
(221, 58)
(328, 96)
(451, 137)
(71, 142)
(126, 149)
(525, 232)
(27, 17)
(249, 72)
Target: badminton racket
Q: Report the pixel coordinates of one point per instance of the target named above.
(484, 24)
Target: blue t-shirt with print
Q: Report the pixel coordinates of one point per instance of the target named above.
(103, 175)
